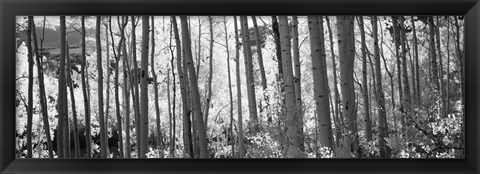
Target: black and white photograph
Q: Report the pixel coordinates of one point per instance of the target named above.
(229, 87)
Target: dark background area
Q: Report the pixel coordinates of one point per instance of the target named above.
(385, 7)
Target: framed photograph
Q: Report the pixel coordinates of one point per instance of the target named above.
(239, 86)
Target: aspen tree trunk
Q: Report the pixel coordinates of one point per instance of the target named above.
(66, 120)
(447, 85)
(170, 121)
(297, 77)
(172, 150)
(381, 111)
(155, 87)
(126, 91)
(461, 58)
(136, 96)
(366, 104)
(74, 110)
(168, 98)
(294, 138)
(259, 53)
(61, 95)
(241, 145)
(440, 69)
(406, 90)
(396, 40)
(398, 55)
(346, 48)
(433, 56)
(229, 85)
(171, 111)
(199, 53)
(107, 102)
(417, 67)
(117, 99)
(392, 93)
(194, 88)
(280, 80)
(195, 143)
(144, 89)
(276, 37)
(30, 86)
(412, 72)
(252, 105)
(103, 138)
(187, 134)
(43, 100)
(390, 74)
(335, 82)
(116, 67)
(208, 97)
(86, 101)
(460, 55)
(319, 63)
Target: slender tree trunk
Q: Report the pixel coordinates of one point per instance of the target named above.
(169, 99)
(199, 53)
(276, 37)
(194, 87)
(136, 96)
(417, 68)
(116, 68)
(208, 97)
(172, 150)
(335, 82)
(241, 145)
(319, 63)
(74, 110)
(412, 72)
(447, 85)
(433, 56)
(86, 101)
(144, 89)
(259, 53)
(187, 134)
(390, 75)
(126, 91)
(30, 86)
(294, 137)
(366, 104)
(297, 78)
(461, 58)
(229, 85)
(103, 138)
(61, 95)
(107, 102)
(43, 100)
(172, 121)
(406, 90)
(381, 111)
(398, 55)
(117, 99)
(155, 87)
(252, 106)
(396, 40)
(346, 48)
(280, 80)
(66, 120)
(440, 70)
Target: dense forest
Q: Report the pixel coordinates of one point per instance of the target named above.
(240, 87)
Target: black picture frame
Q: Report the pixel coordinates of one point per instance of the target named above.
(11, 8)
